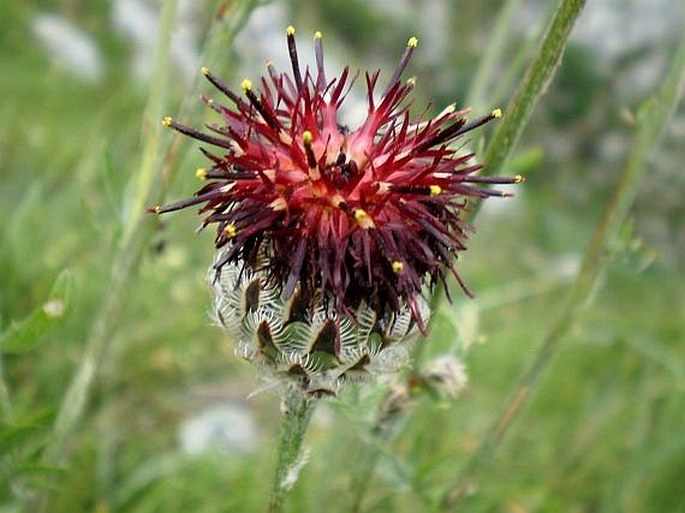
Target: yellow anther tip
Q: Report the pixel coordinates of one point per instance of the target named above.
(167, 121)
(435, 190)
(246, 85)
(318, 35)
(411, 81)
(497, 113)
(519, 179)
(397, 267)
(204, 70)
(360, 214)
(269, 64)
(413, 42)
(230, 230)
(156, 209)
(290, 31)
(307, 137)
(201, 173)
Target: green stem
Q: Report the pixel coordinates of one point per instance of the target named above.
(297, 412)
(136, 233)
(651, 126)
(5, 403)
(221, 35)
(534, 84)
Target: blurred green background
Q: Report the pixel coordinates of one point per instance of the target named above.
(170, 427)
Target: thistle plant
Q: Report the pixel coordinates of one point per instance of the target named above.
(329, 237)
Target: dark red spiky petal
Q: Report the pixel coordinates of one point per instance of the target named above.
(370, 215)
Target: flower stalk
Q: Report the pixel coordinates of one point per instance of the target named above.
(533, 86)
(297, 413)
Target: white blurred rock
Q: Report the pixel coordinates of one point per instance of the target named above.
(69, 46)
(139, 20)
(228, 428)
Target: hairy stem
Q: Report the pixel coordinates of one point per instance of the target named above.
(297, 412)
(534, 84)
(651, 126)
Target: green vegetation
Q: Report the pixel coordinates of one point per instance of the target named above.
(92, 287)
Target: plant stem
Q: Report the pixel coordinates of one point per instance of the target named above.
(297, 412)
(651, 126)
(5, 404)
(136, 233)
(223, 30)
(534, 84)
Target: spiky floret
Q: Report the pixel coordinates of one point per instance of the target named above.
(364, 216)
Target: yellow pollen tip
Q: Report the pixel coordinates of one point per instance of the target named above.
(269, 64)
(519, 179)
(307, 137)
(246, 85)
(497, 113)
(204, 70)
(167, 121)
(435, 190)
(318, 35)
(397, 267)
(360, 214)
(411, 81)
(156, 209)
(290, 31)
(201, 173)
(413, 42)
(230, 230)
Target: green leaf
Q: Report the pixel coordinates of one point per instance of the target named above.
(16, 435)
(27, 334)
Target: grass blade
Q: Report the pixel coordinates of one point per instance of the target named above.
(651, 124)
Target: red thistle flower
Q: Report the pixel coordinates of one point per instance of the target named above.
(367, 215)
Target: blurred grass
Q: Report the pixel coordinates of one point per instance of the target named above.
(604, 433)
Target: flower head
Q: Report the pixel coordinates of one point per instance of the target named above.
(364, 216)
